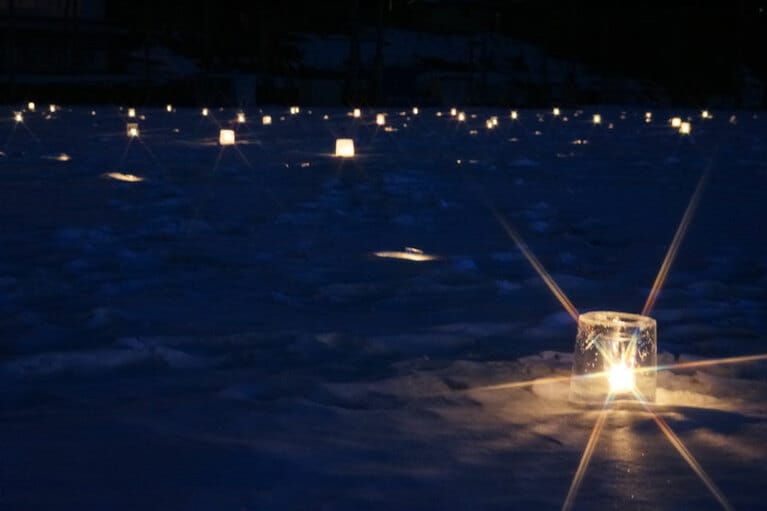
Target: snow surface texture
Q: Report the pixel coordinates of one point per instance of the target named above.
(219, 333)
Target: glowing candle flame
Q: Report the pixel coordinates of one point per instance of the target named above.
(676, 122)
(597, 119)
(357, 113)
(132, 129)
(461, 117)
(18, 117)
(514, 115)
(685, 128)
(621, 378)
(453, 112)
(266, 120)
(415, 110)
(168, 108)
(555, 112)
(31, 106)
(241, 118)
(380, 119)
(204, 112)
(131, 112)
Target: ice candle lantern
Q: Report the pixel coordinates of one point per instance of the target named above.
(615, 356)
(453, 112)
(597, 119)
(169, 108)
(131, 113)
(344, 148)
(204, 112)
(676, 122)
(685, 128)
(415, 110)
(131, 129)
(226, 137)
(18, 117)
(555, 112)
(357, 113)
(380, 119)
(241, 118)
(31, 106)
(266, 120)
(294, 110)
(461, 116)
(514, 115)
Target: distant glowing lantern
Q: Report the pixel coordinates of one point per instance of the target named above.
(415, 110)
(597, 119)
(131, 112)
(344, 147)
(380, 119)
(241, 118)
(31, 106)
(453, 112)
(266, 120)
(461, 117)
(168, 108)
(226, 137)
(18, 117)
(685, 128)
(494, 120)
(325, 117)
(204, 112)
(514, 115)
(676, 122)
(127, 178)
(489, 124)
(131, 129)
(616, 356)
(705, 114)
(555, 112)
(648, 116)
(357, 113)
(52, 108)
(294, 110)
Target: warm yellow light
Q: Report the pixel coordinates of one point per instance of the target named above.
(344, 148)
(453, 112)
(705, 114)
(514, 115)
(597, 119)
(494, 120)
(169, 108)
(489, 124)
(131, 129)
(52, 108)
(409, 254)
(621, 378)
(266, 120)
(31, 106)
(325, 117)
(676, 122)
(226, 137)
(357, 113)
(204, 112)
(461, 117)
(241, 118)
(415, 110)
(128, 178)
(380, 119)
(555, 111)
(18, 117)
(294, 110)
(685, 128)
(131, 112)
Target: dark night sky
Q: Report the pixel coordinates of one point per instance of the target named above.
(690, 49)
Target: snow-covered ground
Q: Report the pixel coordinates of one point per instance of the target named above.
(222, 335)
